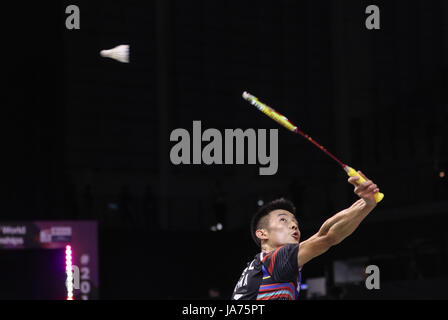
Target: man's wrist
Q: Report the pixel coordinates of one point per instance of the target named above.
(368, 205)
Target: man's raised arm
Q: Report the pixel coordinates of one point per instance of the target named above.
(342, 224)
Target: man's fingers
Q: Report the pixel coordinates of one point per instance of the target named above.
(353, 180)
(367, 192)
(365, 189)
(365, 185)
(362, 175)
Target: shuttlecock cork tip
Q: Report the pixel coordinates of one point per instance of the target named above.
(245, 95)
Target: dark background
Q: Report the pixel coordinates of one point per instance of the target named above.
(32, 274)
(88, 138)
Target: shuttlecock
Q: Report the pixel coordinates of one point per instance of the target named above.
(119, 53)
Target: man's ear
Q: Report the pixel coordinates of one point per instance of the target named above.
(261, 234)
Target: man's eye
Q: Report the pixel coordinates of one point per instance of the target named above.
(282, 219)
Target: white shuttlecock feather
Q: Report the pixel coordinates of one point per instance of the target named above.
(119, 53)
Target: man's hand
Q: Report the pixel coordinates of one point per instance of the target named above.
(365, 190)
(342, 224)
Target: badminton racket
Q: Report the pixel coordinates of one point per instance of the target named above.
(283, 121)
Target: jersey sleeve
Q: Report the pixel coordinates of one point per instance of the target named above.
(282, 263)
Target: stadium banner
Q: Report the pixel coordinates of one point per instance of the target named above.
(80, 236)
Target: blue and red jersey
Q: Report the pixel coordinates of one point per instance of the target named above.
(271, 276)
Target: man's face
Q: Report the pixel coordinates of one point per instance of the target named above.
(283, 228)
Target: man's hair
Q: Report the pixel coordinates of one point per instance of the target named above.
(258, 221)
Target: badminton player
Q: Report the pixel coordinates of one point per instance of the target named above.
(275, 273)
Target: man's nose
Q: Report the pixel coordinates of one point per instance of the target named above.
(294, 227)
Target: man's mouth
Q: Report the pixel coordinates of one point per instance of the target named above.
(295, 235)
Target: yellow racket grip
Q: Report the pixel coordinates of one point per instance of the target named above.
(353, 173)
